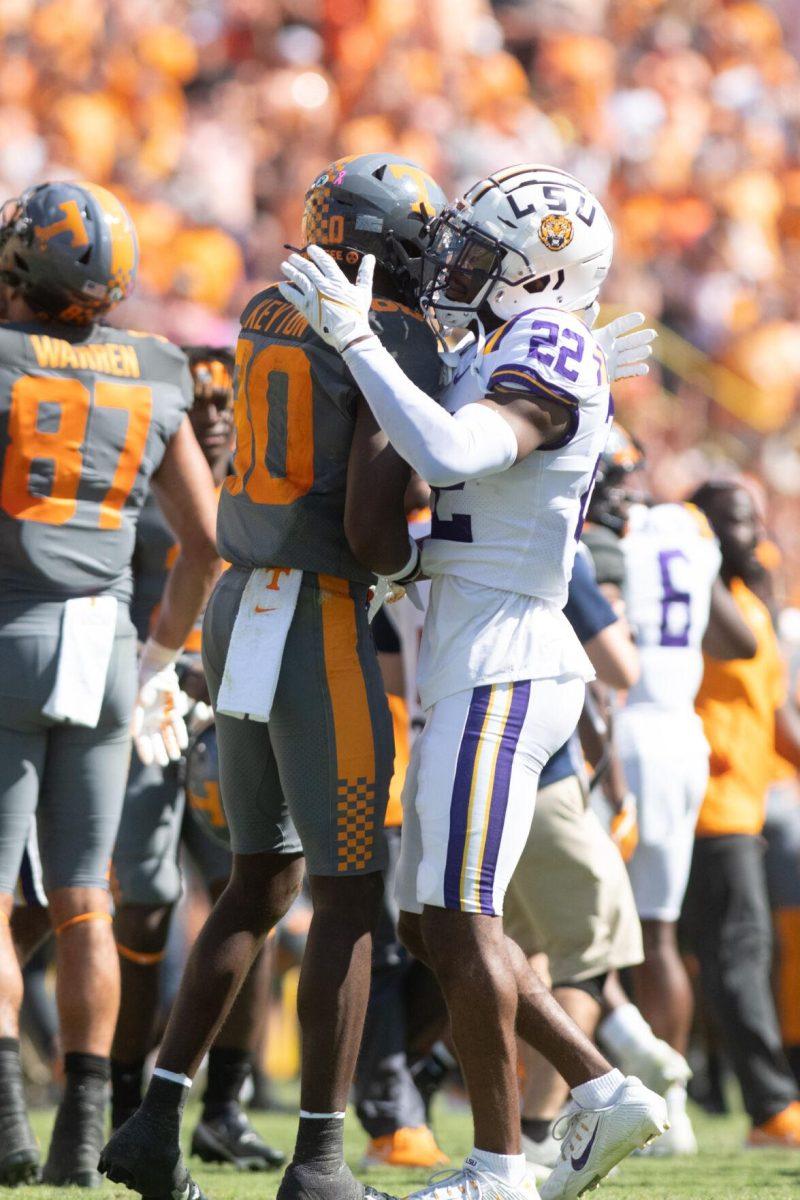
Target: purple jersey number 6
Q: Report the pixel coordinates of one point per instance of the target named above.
(673, 634)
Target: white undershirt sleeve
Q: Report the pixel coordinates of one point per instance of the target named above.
(442, 447)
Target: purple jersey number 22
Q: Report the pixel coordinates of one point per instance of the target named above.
(545, 342)
(673, 632)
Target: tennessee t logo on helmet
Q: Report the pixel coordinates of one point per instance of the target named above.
(71, 222)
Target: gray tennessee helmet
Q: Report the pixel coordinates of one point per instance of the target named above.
(377, 204)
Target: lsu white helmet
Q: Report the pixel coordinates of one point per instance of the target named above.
(529, 236)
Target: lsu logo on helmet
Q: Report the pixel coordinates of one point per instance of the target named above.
(555, 231)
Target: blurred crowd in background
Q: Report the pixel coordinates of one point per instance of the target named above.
(210, 117)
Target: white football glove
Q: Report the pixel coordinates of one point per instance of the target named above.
(335, 308)
(159, 731)
(626, 353)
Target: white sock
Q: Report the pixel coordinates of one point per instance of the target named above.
(597, 1093)
(510, 1168)
(625, 1028)
(675, 1097)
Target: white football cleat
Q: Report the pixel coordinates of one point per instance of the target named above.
(656, 1064)
(473, 1183)
(595, 1139)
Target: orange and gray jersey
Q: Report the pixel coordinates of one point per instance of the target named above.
(85, 417)
(154, 555)
(295, 410)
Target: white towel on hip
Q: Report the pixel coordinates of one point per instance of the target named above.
(84, 652)
(255, 651)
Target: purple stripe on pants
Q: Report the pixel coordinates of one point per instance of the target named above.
(459, 800)
(500, 791)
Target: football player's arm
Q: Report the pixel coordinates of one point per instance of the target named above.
(481, 439)
(614, 656)
(727, 635)
(442, 447)
(185, 492)
(374, 514)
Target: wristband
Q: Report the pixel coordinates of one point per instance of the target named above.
(411, 570)
(154, 658)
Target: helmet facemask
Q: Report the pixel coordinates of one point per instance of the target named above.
(467, 273)
(460, 269)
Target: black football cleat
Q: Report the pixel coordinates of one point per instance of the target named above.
(77, 1138)
(19, 1151)
(144, 1156)
(230, 1138)
(302, 1181)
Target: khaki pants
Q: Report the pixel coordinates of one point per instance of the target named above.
(570, 897)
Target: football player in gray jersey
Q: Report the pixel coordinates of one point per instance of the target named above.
(158, 825)
(317, 492)
(89, 415)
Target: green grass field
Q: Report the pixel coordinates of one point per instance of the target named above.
(722, 1171)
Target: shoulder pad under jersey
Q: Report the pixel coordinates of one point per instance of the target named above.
(545, 353)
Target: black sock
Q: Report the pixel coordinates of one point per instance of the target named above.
(227, 1070)
(320, 1143)
(536, 1129)
(86, 1072)
(126, 1089)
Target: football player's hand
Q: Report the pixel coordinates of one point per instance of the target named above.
(626, 353)
(335, 308)
(384, 592)
(159, 730)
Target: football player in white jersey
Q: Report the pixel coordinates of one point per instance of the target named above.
(511, 450)
(676, 606)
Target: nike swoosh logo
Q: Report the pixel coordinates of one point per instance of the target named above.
(579, 1163)
(259, 609)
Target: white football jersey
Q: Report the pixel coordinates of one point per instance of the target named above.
(501, 548)
(671, 561)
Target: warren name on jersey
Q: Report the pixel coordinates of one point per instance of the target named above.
(515, 443)
(90, 416)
